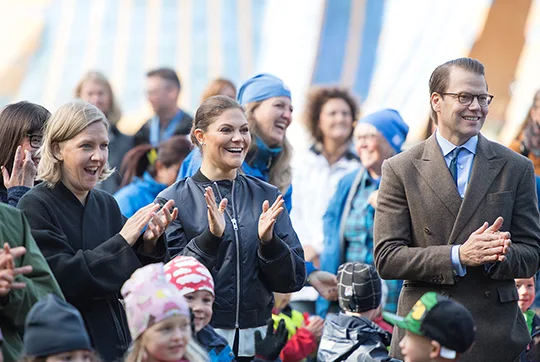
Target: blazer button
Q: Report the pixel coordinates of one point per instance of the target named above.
(487, 294)
(427, 231)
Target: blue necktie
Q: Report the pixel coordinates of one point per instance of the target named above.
(453, 163)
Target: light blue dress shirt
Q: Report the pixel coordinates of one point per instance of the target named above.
(464, 166)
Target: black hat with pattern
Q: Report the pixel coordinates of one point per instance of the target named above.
(359, 287)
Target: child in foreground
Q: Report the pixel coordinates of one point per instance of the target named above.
(159, 319)
(352, 335)
(195, 282)
(527, 292)
(55, 331)
(437, 329)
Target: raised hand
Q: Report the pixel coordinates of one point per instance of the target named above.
(8, 272)
(158, 223)
(325, 283)
(315, 326)
(135, 225)
(268, 218)
(270, 347)
(486, 245)
(216, 214)
(23, 172)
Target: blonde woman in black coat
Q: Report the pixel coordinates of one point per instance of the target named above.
(90, 246)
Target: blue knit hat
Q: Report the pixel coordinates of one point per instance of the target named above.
(261, 87)
(390, 124)
(54, 326)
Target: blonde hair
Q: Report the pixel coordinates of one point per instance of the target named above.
(215, 87)
(194, 352)
(114, 113)
(280, 170)
(66, 123)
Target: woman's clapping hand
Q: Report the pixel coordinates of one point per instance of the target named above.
(268, 218)
(216, 213)
(153, 220)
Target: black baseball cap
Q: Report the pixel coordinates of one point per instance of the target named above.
(441, 319)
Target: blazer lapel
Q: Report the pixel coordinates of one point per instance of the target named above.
(486, 166)
(432, 167)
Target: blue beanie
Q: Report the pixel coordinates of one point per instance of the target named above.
(261, 87)
(54, 326)
(390, 124)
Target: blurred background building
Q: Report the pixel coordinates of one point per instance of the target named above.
(384, 50)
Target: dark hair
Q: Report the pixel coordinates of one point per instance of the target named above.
(209, 110)
(166, 73)
(17, 120)
(317, 98)
(438, 82)
(139, 159)
(215, 87)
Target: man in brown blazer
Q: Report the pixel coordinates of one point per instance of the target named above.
(457, 214)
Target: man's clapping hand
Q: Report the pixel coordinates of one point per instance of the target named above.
(486, 245)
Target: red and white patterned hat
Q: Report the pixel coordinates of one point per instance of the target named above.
(189, 275)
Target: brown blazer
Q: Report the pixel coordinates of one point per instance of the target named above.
(420, 215)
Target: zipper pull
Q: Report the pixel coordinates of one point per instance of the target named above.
(234, 224)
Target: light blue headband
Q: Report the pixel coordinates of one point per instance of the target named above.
(261, 87)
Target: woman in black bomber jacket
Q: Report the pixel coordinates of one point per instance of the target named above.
(90, 246)
(235, 225)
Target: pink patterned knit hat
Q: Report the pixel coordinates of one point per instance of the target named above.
(189, 275)
(149, 299)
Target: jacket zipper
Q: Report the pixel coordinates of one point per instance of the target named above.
(237, 240)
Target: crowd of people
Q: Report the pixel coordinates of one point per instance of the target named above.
(208, 238)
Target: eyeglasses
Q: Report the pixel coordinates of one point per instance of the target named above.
(366, 137)
(35, 140)
(466, 99)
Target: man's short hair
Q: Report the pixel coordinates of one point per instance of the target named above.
(438, 82)
(165, 73)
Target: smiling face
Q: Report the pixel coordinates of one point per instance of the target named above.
(458, 123)
(225, 143)
(167, 340)
(526, 293)
(83, 159)
(273, 116)
(372, 148)
(336, 120)
(200, 302)
(97, 94)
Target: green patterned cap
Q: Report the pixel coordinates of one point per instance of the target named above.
(441, 319)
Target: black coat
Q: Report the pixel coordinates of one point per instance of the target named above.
(245, 271)
(350, 338)
(89, 258)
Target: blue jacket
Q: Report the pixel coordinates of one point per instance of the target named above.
(140, 192)
(256, 167)
(217, 347)
(333, 227)
(332, 256)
